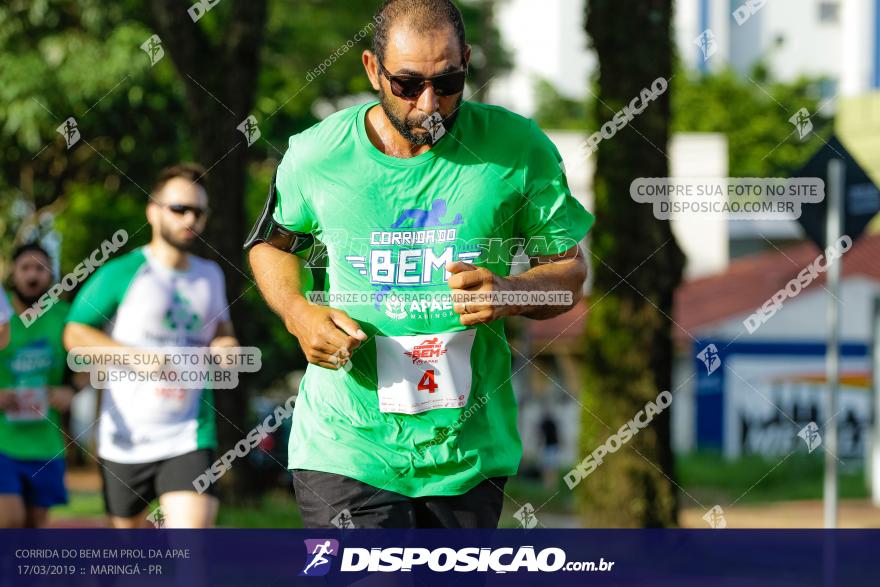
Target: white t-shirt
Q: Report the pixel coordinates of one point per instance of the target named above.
(144, 304)
(5, 308)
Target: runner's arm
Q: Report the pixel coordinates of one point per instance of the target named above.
(277, 276)
(82, 335)
(224, 336)
(327, 336)
(4, 335)
(564, 272)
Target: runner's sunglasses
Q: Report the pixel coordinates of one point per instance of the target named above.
(182, 209)
(412, 86)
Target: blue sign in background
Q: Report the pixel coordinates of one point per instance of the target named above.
(275, 558)
(711, 387)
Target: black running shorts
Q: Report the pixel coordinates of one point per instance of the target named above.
(129, 489)
(334, 501)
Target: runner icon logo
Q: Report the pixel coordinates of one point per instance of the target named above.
(343, 520)
(319, 554)
(526, 516)
(427, 351)
(710, 357)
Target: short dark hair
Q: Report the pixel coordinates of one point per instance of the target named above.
(421, 14)
(31, 247)
(191, 171)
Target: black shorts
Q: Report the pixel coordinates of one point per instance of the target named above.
(327, 500)
(129, 489)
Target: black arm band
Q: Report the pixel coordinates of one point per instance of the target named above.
(266, 230)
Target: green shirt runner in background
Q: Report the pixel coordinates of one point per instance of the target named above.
(34, 361)
(390, 225)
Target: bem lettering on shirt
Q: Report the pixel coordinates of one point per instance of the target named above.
(393, 419)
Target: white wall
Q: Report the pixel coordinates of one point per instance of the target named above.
(809, 46)
(703, 239)
(578, 169)
(547, 40)
(857, 46)
(803, 318)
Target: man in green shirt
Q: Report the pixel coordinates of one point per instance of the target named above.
(32, 398)
(406, 416)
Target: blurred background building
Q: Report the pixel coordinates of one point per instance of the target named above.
(775, 377)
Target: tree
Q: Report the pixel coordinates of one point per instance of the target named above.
(220, 74)
(637, 266)
(84, 58)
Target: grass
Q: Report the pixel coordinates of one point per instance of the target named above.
(83, 504)
(706, 476)
(755, 479)
(277, 510)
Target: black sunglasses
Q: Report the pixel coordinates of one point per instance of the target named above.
(182, 209)
(412, 86)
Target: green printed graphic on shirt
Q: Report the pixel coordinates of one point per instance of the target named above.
(180, 314)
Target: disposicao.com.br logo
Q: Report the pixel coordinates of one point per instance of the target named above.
(318, 553)
(441, 560)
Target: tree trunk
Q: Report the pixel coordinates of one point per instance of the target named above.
(638, 265)
(221, 83)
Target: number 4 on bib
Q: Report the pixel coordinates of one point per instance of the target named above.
(427, 382)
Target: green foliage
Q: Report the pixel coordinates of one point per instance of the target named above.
(90, 206)
(753, 112)
(555, 111)
(275, 510)
(81, 59)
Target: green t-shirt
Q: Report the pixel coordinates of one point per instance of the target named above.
(34, 361)
(389, 226)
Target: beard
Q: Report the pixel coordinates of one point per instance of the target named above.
(28, 301)
(406, 126)
(184, 245)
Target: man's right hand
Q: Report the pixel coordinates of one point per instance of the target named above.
(327, 336)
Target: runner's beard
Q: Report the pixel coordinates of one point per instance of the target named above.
(406, 126)
(28, 301)
(179, 244)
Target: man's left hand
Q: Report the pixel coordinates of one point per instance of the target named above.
(473, 289)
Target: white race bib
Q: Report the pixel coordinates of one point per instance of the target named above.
(33, 405)
(424, 372)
